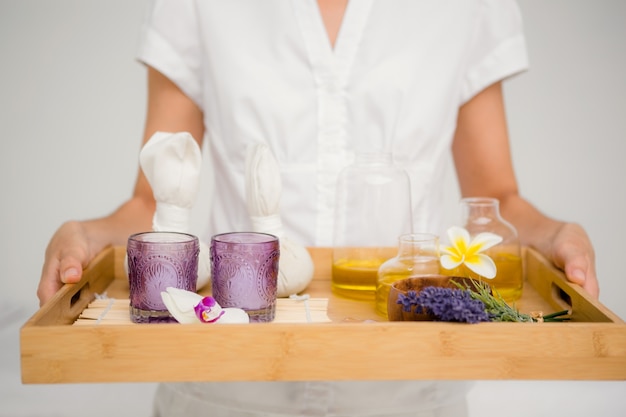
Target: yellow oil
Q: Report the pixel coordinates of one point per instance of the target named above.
(382, 292)
(509, 279)
(355, 278)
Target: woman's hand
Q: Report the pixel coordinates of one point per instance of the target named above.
(571, 250)
(68, 252)
(75, 243)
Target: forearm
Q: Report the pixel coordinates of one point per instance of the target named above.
(534, 228)
(169, 110)
(76, 243)
(484, 168)
(133, 216)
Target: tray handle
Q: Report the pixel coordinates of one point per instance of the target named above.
(561, 294)
(70, 301)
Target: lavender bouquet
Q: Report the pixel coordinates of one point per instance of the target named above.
(469, 305)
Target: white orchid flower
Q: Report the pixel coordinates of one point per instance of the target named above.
(469, 252)
(189, 307)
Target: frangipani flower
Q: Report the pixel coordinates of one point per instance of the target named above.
(189, 307)
(469, 252)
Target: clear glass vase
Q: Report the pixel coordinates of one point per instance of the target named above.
(482, 214)
(418, 255)
(373, 208)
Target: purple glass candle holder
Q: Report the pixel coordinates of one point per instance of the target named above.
(244, 272)
(157, 260)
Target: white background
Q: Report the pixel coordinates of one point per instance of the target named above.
(72, 105)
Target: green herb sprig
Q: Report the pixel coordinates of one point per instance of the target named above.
(500, 310)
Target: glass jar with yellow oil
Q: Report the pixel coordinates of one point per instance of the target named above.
(418, 255)
(372, 208)
(482, 214)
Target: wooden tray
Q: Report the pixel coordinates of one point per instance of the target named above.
(356, 345)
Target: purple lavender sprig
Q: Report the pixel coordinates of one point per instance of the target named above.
(445, 304)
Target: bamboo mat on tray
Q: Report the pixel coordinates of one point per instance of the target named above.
(111, 311)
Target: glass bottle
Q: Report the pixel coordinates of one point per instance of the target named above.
(482, 214)
(373, 208)
(418, 255)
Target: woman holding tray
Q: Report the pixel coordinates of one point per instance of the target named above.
(316, 81)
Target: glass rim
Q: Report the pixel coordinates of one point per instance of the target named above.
(152, 237)
(419, 237)
(221, 238)
(485, 201)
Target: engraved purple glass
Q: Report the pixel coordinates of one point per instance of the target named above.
(244, 272)
(157, 260)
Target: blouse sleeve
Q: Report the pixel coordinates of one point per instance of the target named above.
(498, 48)
(170, 43)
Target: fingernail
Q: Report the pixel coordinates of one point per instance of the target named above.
(578, 275)
(69, 273)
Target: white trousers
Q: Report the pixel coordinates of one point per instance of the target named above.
(313, 399)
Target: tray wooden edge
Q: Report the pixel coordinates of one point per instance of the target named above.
(553, 285)
(51, 354)
(373, 351)
(67, 304)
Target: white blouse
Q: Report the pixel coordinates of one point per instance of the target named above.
(265, 71)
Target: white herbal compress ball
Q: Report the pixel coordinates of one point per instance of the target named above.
(263, 190)
(171, 163)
